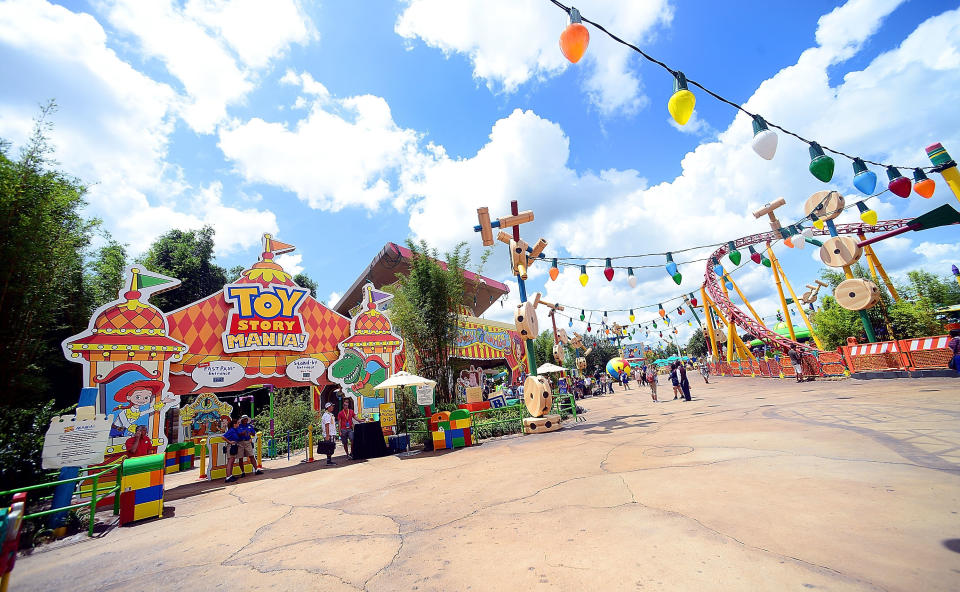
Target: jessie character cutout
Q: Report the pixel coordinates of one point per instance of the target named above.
(136, 401)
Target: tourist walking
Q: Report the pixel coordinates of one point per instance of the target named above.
(328, 425)
(705, 372)
(684, 382)
(796, 361)
(651, 377)
(247, 433)
(675, 380)
(345, 422)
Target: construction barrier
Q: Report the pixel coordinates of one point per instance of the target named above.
(786, 368)
(926, 352)
(765, 369)
(831, 364)
(868, 357)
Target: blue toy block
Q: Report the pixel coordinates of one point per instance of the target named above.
(149, 494)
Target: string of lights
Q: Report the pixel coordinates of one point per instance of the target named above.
(573, 44)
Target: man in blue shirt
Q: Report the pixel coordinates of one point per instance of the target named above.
(242, 437)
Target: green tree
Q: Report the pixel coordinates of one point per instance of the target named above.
(913, 319)
(697, 345)
(543, 347)
(105, 272)
(235, 272)
(304, 281)
(43, 243)
(187, 256)
(603, 351)
(425, 309)
(938, 291)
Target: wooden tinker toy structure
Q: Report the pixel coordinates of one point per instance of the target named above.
(537, 395)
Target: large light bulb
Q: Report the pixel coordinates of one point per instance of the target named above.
(898, 185)
(682, 101)
(575, 38)
(584, 278)
(863, 178)
(821, 165)
(631, 279)
(866, 214)
(922, 184)
(764, 139)
(554, 270)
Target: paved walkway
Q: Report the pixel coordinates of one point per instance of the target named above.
(755, 485)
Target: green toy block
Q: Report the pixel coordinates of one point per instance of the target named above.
(143, 464)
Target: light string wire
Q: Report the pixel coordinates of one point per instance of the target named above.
(572, 261)
(728, 101)
(644, 306)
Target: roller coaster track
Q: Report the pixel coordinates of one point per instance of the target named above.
(743, 320)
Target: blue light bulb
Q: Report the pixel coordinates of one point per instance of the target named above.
(863, 178)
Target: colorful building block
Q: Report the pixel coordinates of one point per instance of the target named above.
(141, 487)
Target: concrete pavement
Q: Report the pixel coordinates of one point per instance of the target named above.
(757, 484)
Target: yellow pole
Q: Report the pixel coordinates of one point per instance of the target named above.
(203, 458)
(745, 301)
(310, 443)
(875, 267)
(783, 299)
(259, 451)
(710, 330)
(803, 314)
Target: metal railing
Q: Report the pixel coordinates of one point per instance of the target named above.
(94, 491)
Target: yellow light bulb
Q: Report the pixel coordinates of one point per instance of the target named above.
(818, 224)
(584, 278)
(682, 101)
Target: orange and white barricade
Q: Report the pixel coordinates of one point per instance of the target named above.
(926, 352)
(866, 357)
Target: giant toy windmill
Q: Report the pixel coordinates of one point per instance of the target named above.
(537, 395)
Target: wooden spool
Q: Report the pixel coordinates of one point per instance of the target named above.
(581, 363)
(840, 251)
(562, 336)
(827, 205)
(518, 257)
(559, 353)
(539, 425)
(537, 396)
(525, 318)
(857, 294)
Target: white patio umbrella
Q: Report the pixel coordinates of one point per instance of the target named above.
(402, 379)
(549, 368)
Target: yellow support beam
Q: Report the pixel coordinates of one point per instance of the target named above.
(745, 301)
(875, 267)
(710, 330)
(783, 299)
(803, 314)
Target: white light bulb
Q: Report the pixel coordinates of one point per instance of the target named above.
(632, 280)
(765, 144)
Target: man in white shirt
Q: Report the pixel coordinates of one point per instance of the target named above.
(329, 426)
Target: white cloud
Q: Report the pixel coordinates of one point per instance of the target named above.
(342, 154)
(334, 298)
(292, 263)
(510, 43)
(257, 31)
(936, 250)
(198, 43)
(113, 133)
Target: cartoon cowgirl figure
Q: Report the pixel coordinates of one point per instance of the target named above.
(136, 401)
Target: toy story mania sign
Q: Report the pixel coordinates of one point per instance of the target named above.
(264, 317)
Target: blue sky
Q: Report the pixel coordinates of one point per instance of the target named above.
(340, 126)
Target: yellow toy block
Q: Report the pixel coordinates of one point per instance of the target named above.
(138, 481)
(460, 423)
(147, 510)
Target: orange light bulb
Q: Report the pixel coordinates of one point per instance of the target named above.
(575, 38)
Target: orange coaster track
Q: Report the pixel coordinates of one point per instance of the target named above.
(743, 320)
